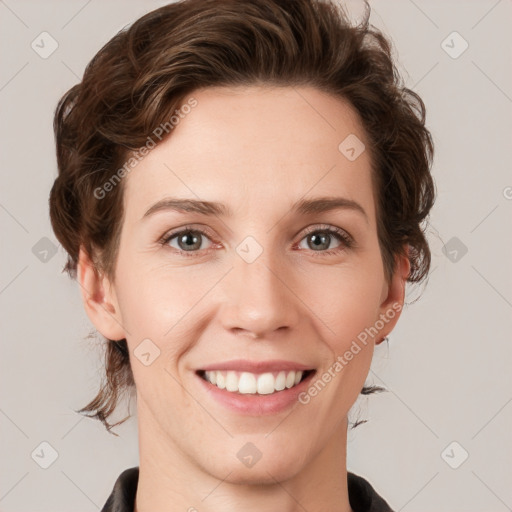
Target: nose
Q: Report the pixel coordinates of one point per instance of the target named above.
(260, 297)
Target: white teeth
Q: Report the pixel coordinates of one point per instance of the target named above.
(266, 384)
(290, 380)
(280, 383)
(231, 382)
(220, 380)
(251, 383)
(246, 384)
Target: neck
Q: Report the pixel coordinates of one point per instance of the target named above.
(170, 480)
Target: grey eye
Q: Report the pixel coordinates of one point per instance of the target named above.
(189, 240)
(320, 240)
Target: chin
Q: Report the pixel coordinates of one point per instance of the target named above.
(276, 466)
(261, 475)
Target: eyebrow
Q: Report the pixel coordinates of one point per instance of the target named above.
(301, 207)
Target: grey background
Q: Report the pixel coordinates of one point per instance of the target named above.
(447, 367)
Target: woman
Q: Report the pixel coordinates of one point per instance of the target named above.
(241, 192)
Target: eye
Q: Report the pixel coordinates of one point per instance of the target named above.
(320, 237)
(188, 240)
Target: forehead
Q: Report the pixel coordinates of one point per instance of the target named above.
(248, 146)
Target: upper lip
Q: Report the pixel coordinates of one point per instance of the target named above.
(245, 365)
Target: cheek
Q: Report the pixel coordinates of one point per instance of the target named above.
(152, 294)
(153, 312)
(346, 307)
(345, 301)
(160, 303)
(146, 305)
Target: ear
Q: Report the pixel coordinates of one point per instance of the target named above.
(393, 295)
(99, 299)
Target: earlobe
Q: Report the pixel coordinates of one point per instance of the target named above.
(393, 303)
(98, 298)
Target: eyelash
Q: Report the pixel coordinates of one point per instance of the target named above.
(340, 234)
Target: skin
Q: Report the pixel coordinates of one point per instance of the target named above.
(258, 150)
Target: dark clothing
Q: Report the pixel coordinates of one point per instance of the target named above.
(361, 494)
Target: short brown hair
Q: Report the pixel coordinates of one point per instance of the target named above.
(138, 79)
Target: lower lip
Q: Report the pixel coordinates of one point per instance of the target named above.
(257, 404)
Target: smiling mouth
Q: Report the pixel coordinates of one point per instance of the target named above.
(267, 383)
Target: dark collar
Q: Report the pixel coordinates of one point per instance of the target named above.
(361, 495)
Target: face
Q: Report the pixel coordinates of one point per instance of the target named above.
(265, 279)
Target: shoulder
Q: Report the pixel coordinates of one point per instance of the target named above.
(363, 497)
(122, 498)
